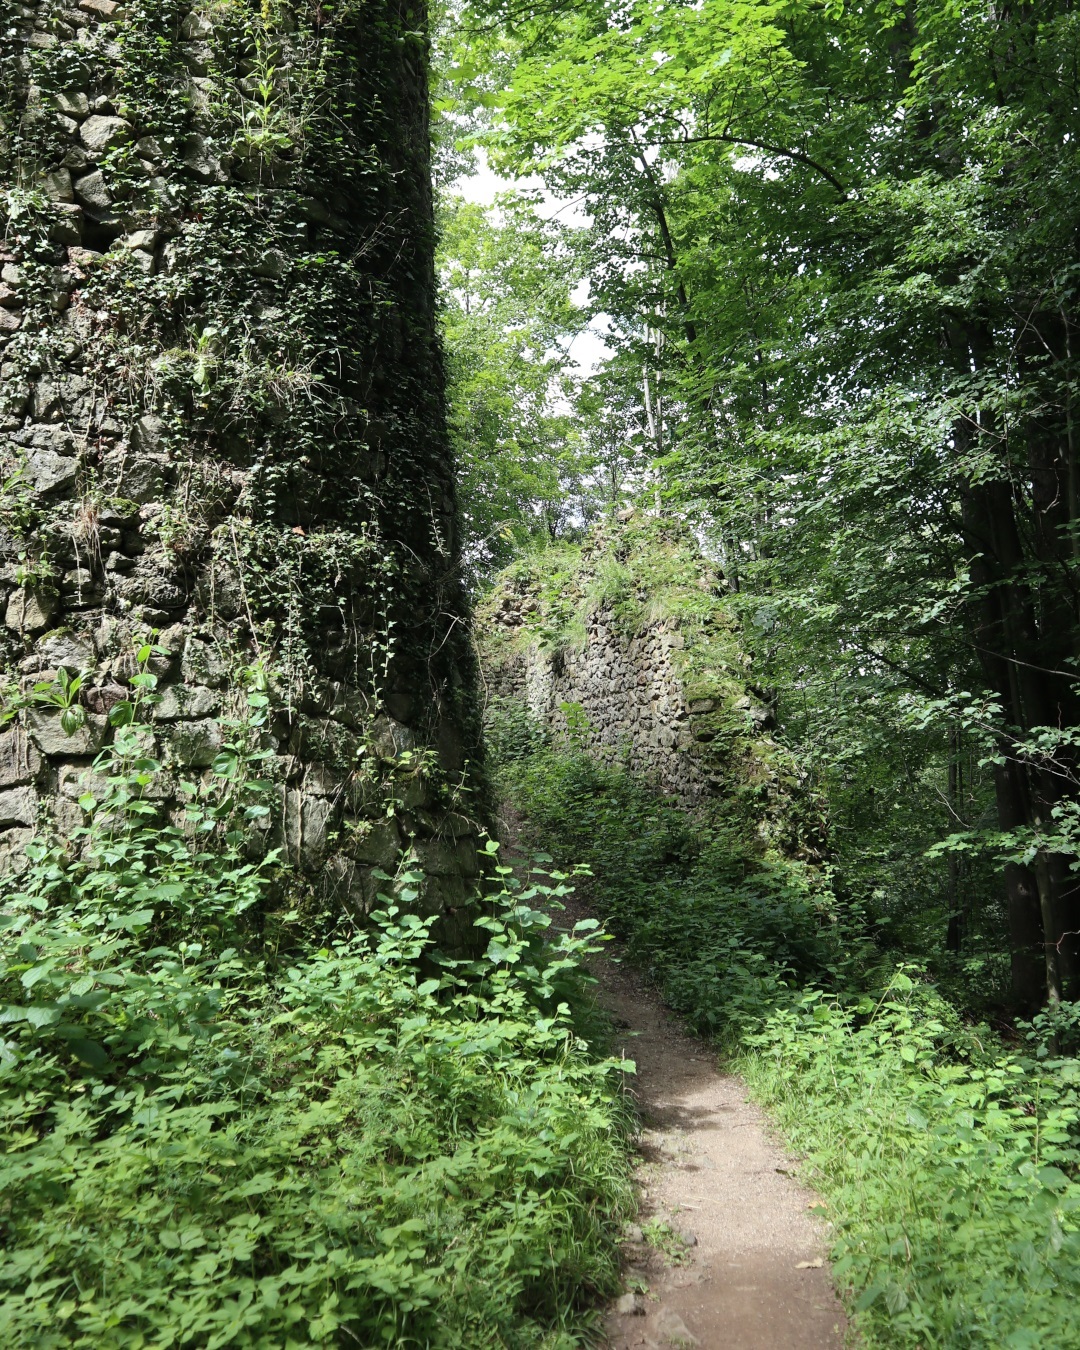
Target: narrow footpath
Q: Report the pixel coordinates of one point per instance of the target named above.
(727, 1254)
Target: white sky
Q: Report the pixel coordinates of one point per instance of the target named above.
(588, 349)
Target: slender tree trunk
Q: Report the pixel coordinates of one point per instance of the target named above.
(956, 933)
(1023, 625)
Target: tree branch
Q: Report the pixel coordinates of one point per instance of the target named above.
(796, 155)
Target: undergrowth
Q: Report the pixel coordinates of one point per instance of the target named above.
(947, 1158)
(219, 1131)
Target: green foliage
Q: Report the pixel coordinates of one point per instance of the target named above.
(948, 1162)
(508, 322)
(722, 929)
(660, 1235)
(947, 1159)
(542, 451)
(222, 1130)
(510, 731)
(835, 244)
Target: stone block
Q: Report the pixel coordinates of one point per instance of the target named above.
(18, 806)
(412, 791)
(73, 103)
(75, 780)
(307, 822)
(31, 609)
(52, 740)
(467, 858)
(389, 738)
(350, 887)
(325, 741)
(45, 401)
(201, 162)
(20, 759)
(76, 159)
(67, 816)
(56, 184)
(68, 651)
(376, 843)
(139, 480)
(204, 663)
(48, 472)
(146, 240)
(271, 265)
(436, 858)
(99, 134)
(196, 25)
(323, 780)
(13, 859)
(195, 745)
(147, 433)
(458, 826)
(316, 817)
(66, 224)
(92, 192)
(180, 701)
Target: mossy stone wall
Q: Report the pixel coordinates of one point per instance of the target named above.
(625, 647)
(222, 416)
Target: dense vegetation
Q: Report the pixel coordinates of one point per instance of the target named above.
(835, 249)
(230, 1119)
(946, 1158)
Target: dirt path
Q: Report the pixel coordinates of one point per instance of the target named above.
(750, 1270)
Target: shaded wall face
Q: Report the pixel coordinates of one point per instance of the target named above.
(627, 701)
(622, 692)
(222, 412)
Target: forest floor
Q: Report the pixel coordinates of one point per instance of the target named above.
(726, 1254)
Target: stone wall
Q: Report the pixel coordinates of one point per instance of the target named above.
(629, 689)
(222, 421)
(626, 648)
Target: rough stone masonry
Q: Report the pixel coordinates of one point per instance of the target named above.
(626, 649)
(222, 421)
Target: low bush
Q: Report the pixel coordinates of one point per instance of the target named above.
(949, 1164)
(721, 929)
(948, 1158)
(218, 1132)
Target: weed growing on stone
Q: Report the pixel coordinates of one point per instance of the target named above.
(663, 1238)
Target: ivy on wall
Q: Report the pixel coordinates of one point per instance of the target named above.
(224, 410)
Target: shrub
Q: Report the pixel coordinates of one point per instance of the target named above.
(218, 1132)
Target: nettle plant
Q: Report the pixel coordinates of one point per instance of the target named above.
(218, 1129)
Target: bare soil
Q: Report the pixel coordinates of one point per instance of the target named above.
(726, 1254)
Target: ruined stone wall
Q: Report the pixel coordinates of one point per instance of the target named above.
(633, 629)
(222, 419)
(625, 648)
(630, 689)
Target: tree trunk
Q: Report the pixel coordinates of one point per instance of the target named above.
(1023, 629)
